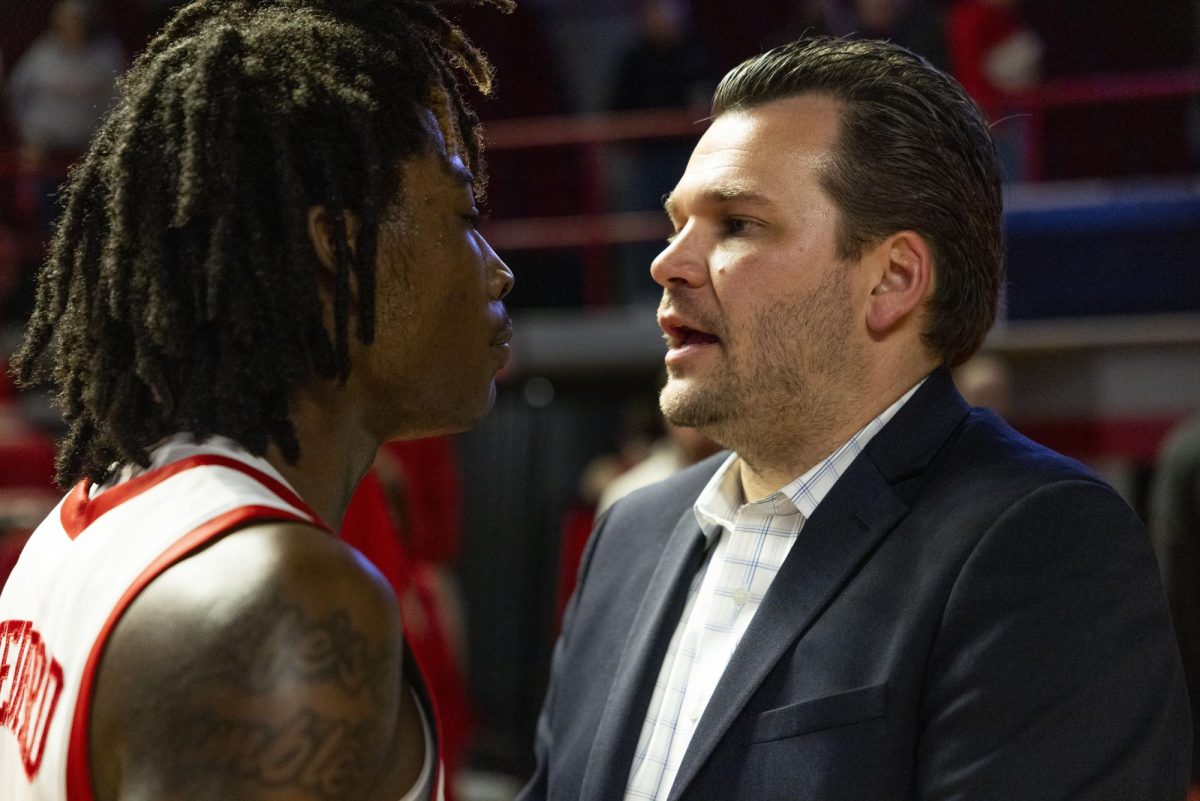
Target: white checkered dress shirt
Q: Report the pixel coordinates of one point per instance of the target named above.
(747, 545)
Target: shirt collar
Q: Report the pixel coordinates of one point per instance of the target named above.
(719, 502)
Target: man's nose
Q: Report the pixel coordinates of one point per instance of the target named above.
(681, 262)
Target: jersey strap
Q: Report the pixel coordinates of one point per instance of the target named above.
(80, 510)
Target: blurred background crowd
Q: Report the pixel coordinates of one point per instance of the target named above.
(1095, 107)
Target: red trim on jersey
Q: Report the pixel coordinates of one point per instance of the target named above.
(435, 725)
(79, 511)
(79, 774)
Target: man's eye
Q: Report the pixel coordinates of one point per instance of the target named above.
(737, 225)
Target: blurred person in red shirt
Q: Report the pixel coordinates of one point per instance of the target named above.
(994, 54)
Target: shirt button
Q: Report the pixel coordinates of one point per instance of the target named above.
(740, 595)
(694, 714)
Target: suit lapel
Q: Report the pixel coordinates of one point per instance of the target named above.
(846, 527)
(620, 726)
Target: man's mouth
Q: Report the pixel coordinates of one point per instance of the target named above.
(691, 336)
(679, 335)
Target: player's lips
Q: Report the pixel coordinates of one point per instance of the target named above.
(500, 342)
(685, 338)
(504, 334)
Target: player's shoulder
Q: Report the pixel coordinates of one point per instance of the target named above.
(277, 558)
(273, 627)
(258, 582)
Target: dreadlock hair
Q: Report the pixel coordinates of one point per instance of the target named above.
(180, 292)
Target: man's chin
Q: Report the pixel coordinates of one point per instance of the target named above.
(692, 407)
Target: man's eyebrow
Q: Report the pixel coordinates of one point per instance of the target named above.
(723, 193)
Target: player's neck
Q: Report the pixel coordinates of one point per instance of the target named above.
(336, 451)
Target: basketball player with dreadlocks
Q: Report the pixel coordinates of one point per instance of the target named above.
(267, 265)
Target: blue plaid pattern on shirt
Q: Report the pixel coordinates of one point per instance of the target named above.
(747, 545)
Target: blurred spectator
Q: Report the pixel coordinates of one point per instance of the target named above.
(666, 67)
(64, 83)
(585, 37)
(638, 427)
(1175, 527)
(915, 24)
(994, 54)
(59, 92)
(27, 491)
(668, 455)
(643, 457)
(986, 380)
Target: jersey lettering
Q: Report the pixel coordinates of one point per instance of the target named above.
(31, 681)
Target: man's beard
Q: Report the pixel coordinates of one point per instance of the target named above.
(700, 406)
(800, 359)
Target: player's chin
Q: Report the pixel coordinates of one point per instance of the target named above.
(473, 409)
(487, 402)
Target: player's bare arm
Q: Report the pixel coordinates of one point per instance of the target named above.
(266, 667)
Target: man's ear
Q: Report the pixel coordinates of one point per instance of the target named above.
(322, 223)
(903, 279)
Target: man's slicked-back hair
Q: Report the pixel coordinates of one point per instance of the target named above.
(913, 153)
(181, 291)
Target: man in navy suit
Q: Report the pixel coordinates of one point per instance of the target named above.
(879, 592)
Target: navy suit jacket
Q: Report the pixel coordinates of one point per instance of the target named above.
(966, 615)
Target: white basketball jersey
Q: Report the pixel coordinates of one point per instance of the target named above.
(78, 574)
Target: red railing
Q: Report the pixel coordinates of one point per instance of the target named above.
(1093, 90)
(597, 228)
(594, 231)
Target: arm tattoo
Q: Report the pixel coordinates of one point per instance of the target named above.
(319, 755)
(281, 643)
(275, 648)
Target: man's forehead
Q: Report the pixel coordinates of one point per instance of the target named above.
(805, 122)
(754, 155)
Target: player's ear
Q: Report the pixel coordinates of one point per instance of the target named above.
(902, 280)
(323, 225)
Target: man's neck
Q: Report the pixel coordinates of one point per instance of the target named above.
(764, 473)
(787, 452)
